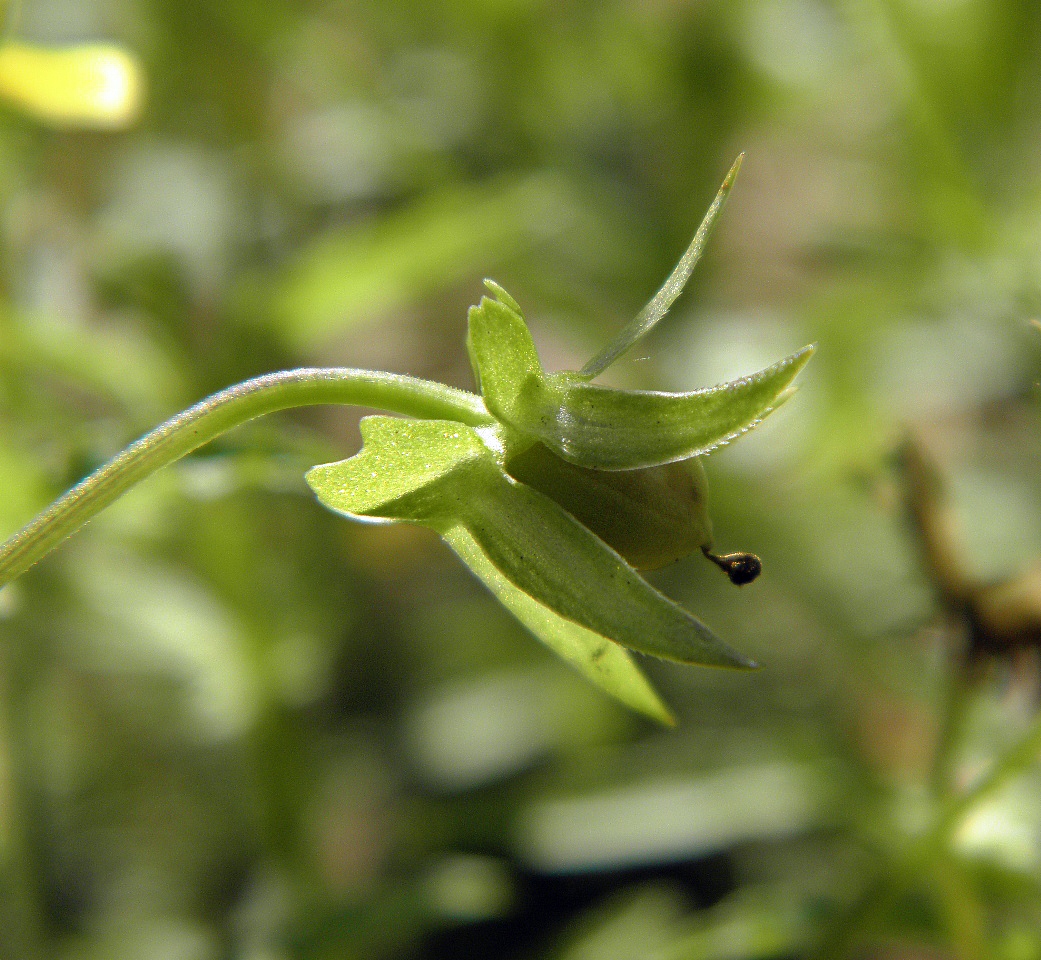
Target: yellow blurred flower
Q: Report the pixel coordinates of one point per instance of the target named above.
(94, 86)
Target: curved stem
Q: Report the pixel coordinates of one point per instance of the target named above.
(221, 412)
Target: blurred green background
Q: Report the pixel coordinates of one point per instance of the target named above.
(235, 725)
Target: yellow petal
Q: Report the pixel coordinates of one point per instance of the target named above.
(95, 86)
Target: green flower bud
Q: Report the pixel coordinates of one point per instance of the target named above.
(651, 517)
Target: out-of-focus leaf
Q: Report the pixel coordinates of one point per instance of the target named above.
(369, 269)
(120, 362)
(635, 924)
(754, 924)
(648, 317)
(151, 621)
(23, 480)
(642, 823)
(600, 661)
(98, 86)
(609, 429)
(440, 474)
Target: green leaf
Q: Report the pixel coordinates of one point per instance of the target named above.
(374, 268)
(603, 663)
(659, 305)
(603, 428)
(440, 474)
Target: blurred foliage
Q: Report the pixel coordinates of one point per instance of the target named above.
(234, 725)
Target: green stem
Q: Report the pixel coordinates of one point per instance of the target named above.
(963, 913)
(221, 412)
(957, 698)
(896, 878)
(1018, 759)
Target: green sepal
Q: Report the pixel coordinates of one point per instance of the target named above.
(603, 428)
(440, 474)
(648, 317)
(404, 471)
(652, 517)
(600, 661)
(502, 354)
(610, 429)
(543, 550)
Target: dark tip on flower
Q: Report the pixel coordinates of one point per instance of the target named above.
(741, 568)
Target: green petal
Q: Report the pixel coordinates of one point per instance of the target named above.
(440, 474)
(652, 517)
(603, 663)
(659, 305)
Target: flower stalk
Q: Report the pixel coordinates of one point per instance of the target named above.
(215, 415)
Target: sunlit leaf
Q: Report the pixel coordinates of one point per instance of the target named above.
(609, 429)
(96, 86)
(439, 474)
(405, 471)
(659, 304)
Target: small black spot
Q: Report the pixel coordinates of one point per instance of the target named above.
(745, 568)
(741, 568)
